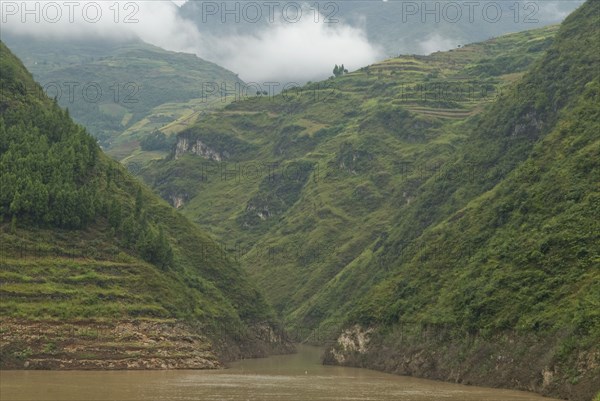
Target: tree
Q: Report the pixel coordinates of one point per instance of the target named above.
(115, 214)
(155, 141)
(130, 231)
(155, 248)
(340, 70)
(164, 253)
(139, 202)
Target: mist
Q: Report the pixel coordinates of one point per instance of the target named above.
(279, 52)
(294, 52)
(436, 42)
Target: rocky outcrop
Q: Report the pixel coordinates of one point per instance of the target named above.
(352, 341)
(528, 125)
(104, 345)
(258, 340)
(199, 148)
(523, 361)
(178, 201)
(143, 344)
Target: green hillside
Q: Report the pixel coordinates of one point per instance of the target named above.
(503, 267)
(438, 209)
(142, 88)
(84, 245)
(307, 180)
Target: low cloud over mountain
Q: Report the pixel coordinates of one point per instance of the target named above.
(284, 50)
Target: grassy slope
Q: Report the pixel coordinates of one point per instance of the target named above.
(368, 141)
(91, 274)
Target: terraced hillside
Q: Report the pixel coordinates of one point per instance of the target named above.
(86, 249)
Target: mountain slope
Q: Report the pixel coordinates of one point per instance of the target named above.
(437, 211)
(122, 92)
(84, 247)
(297, 185)
(495, 279)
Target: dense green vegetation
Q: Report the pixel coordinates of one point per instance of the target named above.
(81, 239)
(46, 161)
(156, 141)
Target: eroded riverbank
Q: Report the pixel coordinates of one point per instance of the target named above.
(129, 344)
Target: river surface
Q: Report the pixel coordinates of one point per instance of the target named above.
(298, 377)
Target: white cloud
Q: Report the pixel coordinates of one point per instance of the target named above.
(155, 22)
(436, 42)
(301, 51)
(280, 52)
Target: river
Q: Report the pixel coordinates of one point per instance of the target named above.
(298, 377)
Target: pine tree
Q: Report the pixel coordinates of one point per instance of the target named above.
(339, 70)
(130, 231)
(139, 200)
(115, 215)
(13, 225)
(164, 253)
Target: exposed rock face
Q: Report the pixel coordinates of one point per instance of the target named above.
(351, 341)
(178, 201)
(529, 125)
(163, 344)
(262, 211)
(199, 148)
(259, 340)
(510, 360)
(116, 345)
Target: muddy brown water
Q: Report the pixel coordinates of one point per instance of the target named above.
(298, 377)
